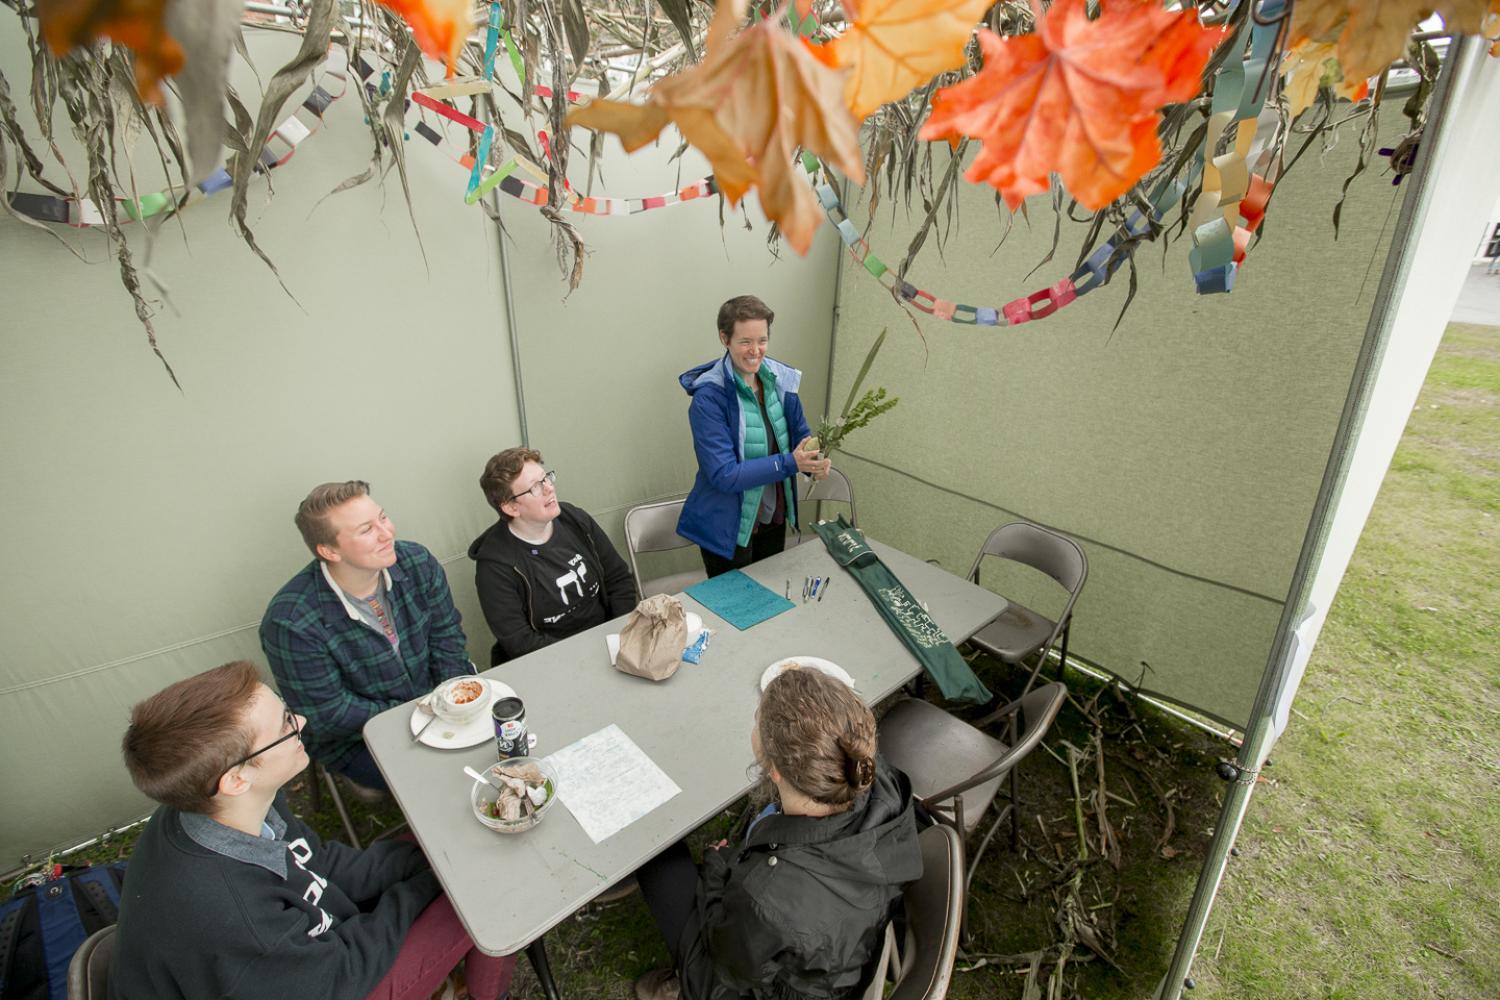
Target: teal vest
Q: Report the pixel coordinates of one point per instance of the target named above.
(756, 447)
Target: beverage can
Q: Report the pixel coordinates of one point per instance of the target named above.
(509, 715)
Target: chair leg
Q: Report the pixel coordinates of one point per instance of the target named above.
(1015, 815)
(536, 951)
(338, 803)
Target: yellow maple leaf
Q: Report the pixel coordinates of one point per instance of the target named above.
(754, 99)
(1371, 34)
(891, 46)
(1307, 66)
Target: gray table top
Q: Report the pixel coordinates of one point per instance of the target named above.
(510, 889)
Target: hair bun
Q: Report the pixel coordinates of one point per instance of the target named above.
(859, 772)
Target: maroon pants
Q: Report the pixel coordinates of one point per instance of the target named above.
(433, 946)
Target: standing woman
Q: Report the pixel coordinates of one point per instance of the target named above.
(798, 908)
(746, 418)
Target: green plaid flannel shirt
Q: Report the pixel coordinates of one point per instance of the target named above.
(339, 672)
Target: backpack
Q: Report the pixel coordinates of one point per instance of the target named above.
(43, 925)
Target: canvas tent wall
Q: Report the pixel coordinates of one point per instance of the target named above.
(146, 529)
(1217, 456)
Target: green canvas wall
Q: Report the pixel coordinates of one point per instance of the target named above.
(1183, 449)
(146, 529)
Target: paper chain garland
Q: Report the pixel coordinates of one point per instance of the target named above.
(83, 213)
(1230, 207)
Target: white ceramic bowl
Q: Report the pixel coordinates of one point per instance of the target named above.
(460, 699)
(483, 794)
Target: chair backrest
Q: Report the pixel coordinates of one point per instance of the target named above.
(652, 527)
(88, 971)
(934, 917)
(1056, 555)
(1034, 713)
(834, 489)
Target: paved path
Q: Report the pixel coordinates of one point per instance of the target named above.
(1479, 302)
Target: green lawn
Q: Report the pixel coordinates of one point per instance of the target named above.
(1369, 864)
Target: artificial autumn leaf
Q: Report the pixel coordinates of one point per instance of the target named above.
(1078, 98)
(1372, 34)
(891, 46)
(753, 100)
(138, 24)
(439, 26)
(1311, 65)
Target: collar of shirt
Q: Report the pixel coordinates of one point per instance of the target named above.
(238, 845)
(339, 591)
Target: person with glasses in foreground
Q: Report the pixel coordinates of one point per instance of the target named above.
(229, 894)
(367, 625)
(545, 570)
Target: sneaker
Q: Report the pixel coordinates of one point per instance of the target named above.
(658, 984)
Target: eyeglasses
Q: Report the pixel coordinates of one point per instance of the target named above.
(549, 477)
(288, 722)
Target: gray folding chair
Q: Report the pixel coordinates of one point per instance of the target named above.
(1018, 632)
(956, 768)
(922, 965)
(834, 489)
(88, 970)
(652, 527)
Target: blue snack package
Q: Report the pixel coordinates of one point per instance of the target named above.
(694, 653)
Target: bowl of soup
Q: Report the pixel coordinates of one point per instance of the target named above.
(460, 699)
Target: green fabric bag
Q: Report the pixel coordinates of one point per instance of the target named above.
(902, 612)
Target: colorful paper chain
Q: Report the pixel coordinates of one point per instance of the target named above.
(82, 213)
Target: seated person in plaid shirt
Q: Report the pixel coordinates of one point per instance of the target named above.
(365, 626)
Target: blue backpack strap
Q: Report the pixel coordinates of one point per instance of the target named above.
(62, 933)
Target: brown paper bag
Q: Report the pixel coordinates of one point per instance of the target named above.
(654, 636)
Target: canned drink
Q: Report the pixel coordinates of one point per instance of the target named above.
(510, 727)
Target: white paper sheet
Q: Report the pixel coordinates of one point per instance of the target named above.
(607, 782)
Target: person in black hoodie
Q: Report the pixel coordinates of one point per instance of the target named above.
(545, 570)
(798, 909)
(229, 895)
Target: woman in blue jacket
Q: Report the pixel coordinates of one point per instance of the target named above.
(746, 415)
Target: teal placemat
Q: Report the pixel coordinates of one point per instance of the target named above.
(739, 600)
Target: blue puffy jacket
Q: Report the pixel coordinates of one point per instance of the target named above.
(711, 516)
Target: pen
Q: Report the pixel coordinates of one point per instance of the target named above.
(789, 590)
(825, 589)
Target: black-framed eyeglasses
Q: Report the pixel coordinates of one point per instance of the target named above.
(535, 489)
(288, 722)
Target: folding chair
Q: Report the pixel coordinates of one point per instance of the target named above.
(652, 527)
(956, 768)
(834, 489)
(1018, 632)
(88, 970)
(922, 965)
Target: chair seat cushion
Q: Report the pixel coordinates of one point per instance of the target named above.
(1015, 634)
(674, 584)
(937, 751)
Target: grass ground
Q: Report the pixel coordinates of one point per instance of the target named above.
(1368, 866)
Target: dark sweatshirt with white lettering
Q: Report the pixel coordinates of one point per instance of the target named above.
(212, 912)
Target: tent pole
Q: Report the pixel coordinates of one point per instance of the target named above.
(510, 321)
(1277, 684)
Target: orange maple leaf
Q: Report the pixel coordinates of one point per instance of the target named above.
(439, 26)
(753, 100)
(1078, 97)
(138, 24)
(891, 46)
(1371, 34)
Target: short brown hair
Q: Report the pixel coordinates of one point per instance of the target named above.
(743, 307)
(498, 480)
(819, 734)
(182, 739)
(312, 512)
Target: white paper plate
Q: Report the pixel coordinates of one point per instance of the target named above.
(445, 735)
(694, 629)
(817, 663)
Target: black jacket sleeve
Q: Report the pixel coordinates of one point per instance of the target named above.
(503, 599)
